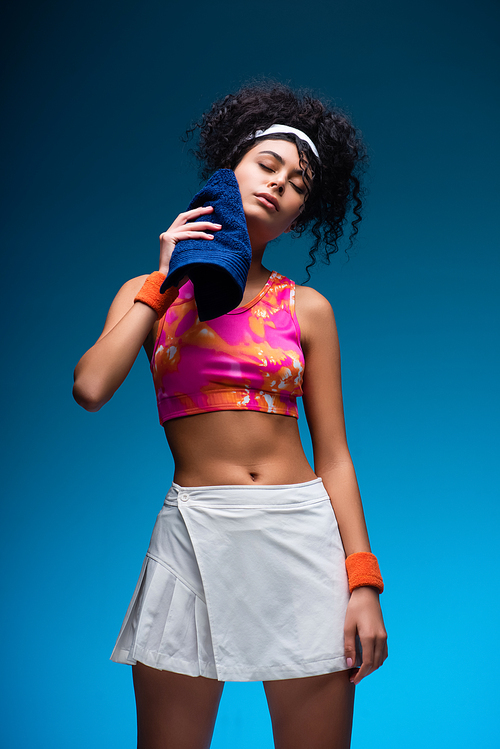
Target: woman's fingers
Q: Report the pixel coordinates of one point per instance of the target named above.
(185, 227)
(367, 663)
(186, 216)
(350, 644)
(188, 231)
(374, 649)
(364, 618)
(198, 211)
(195, 235)
(199, 226)
(381, 651)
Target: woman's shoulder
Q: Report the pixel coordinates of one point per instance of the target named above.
(128, 291)
(123, 301)
(307, 297)
(314, 314)
(311, 301)
(133, 285)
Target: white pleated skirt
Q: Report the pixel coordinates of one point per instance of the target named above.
(241, 583)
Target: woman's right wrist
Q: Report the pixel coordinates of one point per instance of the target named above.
(150, 295)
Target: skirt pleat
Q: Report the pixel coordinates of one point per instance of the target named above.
(166, 625)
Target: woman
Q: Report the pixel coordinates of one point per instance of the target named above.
(245, 577)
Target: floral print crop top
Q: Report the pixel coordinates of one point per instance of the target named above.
(249, 359)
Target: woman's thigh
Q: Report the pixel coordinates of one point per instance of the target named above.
(313, 712)
(174, 710)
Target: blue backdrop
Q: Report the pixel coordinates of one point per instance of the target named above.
(95, 98)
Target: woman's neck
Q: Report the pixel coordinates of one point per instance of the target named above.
(257, 278)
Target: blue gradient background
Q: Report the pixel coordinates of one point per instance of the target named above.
(95, 98)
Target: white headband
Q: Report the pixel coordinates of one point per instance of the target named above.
(287, 129)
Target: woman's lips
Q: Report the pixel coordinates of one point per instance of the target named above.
(268, 201)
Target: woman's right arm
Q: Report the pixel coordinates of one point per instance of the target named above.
(130, 325)
(104, 367)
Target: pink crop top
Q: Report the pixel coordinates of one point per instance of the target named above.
(249, 359)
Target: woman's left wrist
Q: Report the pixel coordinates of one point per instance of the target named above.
(359, 590)
(363, 571)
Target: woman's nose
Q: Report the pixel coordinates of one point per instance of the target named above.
(277, 182)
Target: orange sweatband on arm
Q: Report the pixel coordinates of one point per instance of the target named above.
(362, 569)
(149, 294)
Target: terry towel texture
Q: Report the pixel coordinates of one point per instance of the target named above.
(241, 583)
(218, 267)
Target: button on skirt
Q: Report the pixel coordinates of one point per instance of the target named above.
(241, 583)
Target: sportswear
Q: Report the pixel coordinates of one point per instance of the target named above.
(248, 359)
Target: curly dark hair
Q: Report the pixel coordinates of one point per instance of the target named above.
(333, 193)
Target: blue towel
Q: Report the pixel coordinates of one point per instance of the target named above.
(218, 267)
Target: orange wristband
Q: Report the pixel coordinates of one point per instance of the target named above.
(362, 569)
(150, 294)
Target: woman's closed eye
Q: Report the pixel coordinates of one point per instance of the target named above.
(267, 168)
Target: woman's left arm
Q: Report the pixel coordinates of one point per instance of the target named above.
(333, 464)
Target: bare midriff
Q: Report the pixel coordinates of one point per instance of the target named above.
(237, 447)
